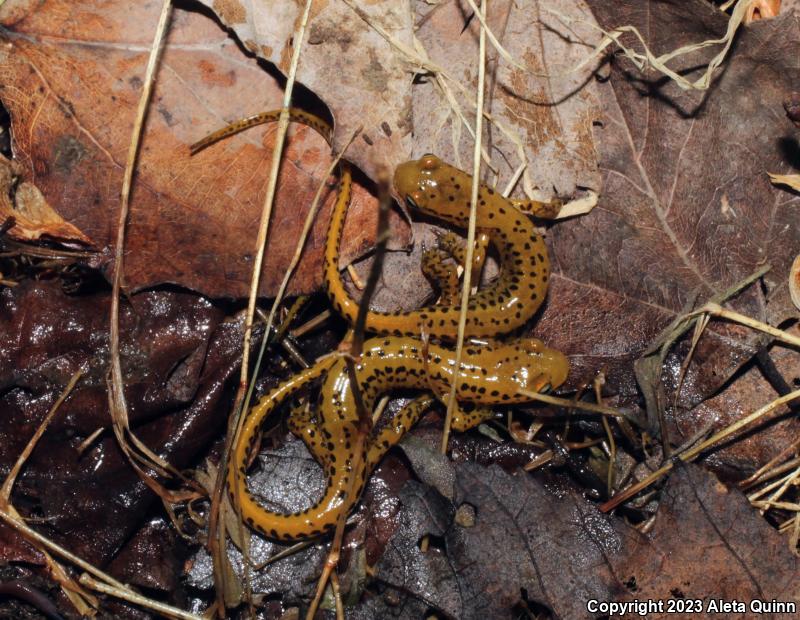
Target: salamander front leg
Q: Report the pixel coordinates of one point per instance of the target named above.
(442, 275)
(537, 208)
(469, 415)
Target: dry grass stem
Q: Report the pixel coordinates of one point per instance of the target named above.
(731, 315)
(5, 491)
(466, 284)
(146, 458)
(83, 602)
(135, 598)
(647, 60)
(572, 404)
(216, 527)
(364, 416)
(311, 324)
(701, 447)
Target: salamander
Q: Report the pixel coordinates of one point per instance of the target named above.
(436, 188)
(443, 192)
(489, 375)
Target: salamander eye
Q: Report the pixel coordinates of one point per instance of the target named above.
(429, 162)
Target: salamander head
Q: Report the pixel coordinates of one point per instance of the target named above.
(527, 364)
(435, 188)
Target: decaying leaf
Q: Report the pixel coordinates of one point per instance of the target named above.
(686, 208)
(527, 544)
(33, 217)
(178, 354)
(70, 77)
(707, 541)
(345, 62)
(794, 282)
(547, 117)
(746, 394)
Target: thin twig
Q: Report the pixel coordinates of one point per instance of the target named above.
(692, 453)
(216, 528)
(716, 310)
(473, 210)
(572, 404)
(5, 491)
(83, 602)
(137, 599)
(116, 395)
(364, 416)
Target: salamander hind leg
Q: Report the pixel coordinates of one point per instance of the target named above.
(302, 424)
(396, 428)
(454, 246)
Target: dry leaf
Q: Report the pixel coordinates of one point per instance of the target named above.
(33, 217)
(550, 117)
(794, 282)
(345, 62)
(682, 214)
(71, 76)
(762, 9)
(750, 390)
(530, 544)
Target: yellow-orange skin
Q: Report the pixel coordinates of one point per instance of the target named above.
(442, 191)
(489, 374)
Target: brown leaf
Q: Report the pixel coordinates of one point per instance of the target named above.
(551, 116)
(524, 542)
(709, 543)
(33, 217)
(687, 209)
(357, 73)
(177, 357)
(750, 391)
(71, 76)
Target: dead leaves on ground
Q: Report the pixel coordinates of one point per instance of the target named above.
(530, 546)
(33, 218)
(70, 76)
(686, 210)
